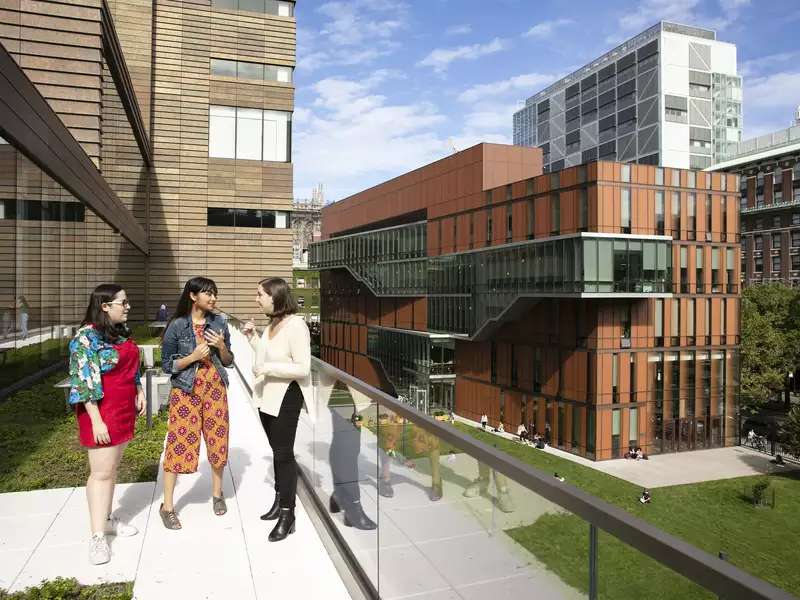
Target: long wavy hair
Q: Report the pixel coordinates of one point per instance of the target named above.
(194, 286)
(96, 316)
(283, 302)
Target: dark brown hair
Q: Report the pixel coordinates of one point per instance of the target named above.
(95, 315)
(283, 303)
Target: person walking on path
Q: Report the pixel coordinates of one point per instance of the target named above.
(106, 391)
(282, 370)
(195, 351)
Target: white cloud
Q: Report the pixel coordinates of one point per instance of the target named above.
(439, 59)
(352, 137)
(770, 102)
(773, 91)
(546, 28)
(527, 84)
(755, 67)
(356, 32)
(649, 12)
(458, 29)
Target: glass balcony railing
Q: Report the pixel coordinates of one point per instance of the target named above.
(418, 508)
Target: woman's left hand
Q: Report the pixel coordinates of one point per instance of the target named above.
(140, 402)
(217, 340)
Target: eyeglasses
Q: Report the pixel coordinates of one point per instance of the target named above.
(125, 303)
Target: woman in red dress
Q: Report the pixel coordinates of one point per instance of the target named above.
(107, 394)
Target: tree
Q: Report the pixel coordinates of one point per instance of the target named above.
(791, 432)
(769, 342)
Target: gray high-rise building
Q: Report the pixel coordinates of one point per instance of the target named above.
(669, 96)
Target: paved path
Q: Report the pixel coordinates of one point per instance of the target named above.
(43, 534)
(676, 468)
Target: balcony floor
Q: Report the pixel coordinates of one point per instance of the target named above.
(45, 534)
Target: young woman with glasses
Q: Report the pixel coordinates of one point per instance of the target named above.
(195, 351)
(107, 394)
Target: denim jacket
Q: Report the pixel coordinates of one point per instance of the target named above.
(179, 342)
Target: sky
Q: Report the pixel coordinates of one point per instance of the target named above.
(386, 86)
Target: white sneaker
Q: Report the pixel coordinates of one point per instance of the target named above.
(99, 552)
(116, 527)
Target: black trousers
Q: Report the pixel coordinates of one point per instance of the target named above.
(281, 431)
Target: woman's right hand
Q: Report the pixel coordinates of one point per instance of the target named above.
(249, 328)
(200, 352)
(100, 432)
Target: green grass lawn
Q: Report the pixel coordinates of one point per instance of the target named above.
(714, 516)
(21, 362)
(39, 446)
(69, 589)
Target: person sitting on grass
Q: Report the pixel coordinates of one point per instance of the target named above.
(561, 478)
(645, 498)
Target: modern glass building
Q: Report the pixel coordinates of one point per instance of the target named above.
(668, 96)
(597, 305)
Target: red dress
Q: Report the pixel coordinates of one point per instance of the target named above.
(118, 406)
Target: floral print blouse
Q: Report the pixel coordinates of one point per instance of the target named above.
(89, 357)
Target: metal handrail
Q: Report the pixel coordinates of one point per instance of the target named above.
(697, 565)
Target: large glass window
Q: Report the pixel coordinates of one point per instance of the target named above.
(675, 210)
(691, 208)
(250, 70)
(555, 214)
(684, 254)
(247, 217)
(715, 282)
(279, 8)
(583, 209)
(222, 132)
(699, 270)
(250, 134)
(659, 322)
(277, 135)
(625, 210)
(660, 212)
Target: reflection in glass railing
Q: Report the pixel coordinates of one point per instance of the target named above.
(427, 511)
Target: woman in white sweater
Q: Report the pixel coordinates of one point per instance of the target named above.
(282, 369)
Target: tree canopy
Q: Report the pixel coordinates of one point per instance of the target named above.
(770, 342)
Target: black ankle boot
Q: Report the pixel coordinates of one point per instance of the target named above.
(333, 506)
(356, 517)
(272, 513)
(284, 526)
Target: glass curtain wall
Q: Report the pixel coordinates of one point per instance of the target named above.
(390, 261)
(53, 252)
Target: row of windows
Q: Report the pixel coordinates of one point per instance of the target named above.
(269, 7)
(776, 222)
(394, 243)
(249, 133)
(42, 210)
(758, 240)
(250, 70)
(758, 263)
(248, 217)
(717, 254)
(468, 289)
(697, 310)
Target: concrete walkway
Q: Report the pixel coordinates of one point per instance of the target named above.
(677, 468)
(43, 534)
